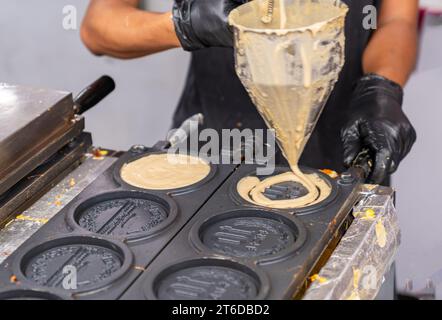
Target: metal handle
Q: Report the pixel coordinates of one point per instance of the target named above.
(93, 94)
(363, 164)
(180, 135)
(185, 129)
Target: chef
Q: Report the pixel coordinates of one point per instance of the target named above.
(364, 111)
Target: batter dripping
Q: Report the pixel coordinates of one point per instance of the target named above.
(283, 64)
(165, 171)
(252, 190)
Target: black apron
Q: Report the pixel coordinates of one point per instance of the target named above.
(213, 89)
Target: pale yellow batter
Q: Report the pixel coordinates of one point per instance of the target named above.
(284, 63)
(252, 190)
(165, 171)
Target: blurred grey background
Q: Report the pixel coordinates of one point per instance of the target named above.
(36, 50)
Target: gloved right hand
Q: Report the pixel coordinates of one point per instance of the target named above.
(378, 124)
(203, 23)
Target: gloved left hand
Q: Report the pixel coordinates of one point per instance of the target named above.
(378, 124)
(203, 23)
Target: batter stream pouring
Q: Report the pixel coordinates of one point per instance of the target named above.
(289, 54)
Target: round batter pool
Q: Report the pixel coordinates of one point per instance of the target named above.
(165, 171)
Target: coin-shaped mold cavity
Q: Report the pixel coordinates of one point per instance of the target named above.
(25, 294)
(251, 234)
(125, 215)
(75, 263)
(208, 279)
(281, 191)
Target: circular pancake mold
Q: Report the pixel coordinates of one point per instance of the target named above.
(27, 294)
(75, 263)
(125, 215)
(250, 234)
(286, 191)
(208, 279)
(189, 180)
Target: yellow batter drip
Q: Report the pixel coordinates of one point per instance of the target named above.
(165, 171)
(281, 63)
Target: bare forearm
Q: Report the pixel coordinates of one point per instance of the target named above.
(117, 28)
(392, 50)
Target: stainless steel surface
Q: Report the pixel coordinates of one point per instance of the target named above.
(358, 266)
(388, 289)
(31, 119)
(25, 225)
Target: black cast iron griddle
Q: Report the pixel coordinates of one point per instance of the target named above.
(109, 233)
(277, 248)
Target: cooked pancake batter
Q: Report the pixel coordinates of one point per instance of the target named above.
(165, 171)
(285, 66)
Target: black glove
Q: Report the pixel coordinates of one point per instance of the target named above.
(378, 124)
(203, 23)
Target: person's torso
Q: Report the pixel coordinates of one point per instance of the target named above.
(213, 89)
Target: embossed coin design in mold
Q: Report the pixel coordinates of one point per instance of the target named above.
(130, 215)
(94, 262)
(247, 237)
(250, 234)
(208, 280)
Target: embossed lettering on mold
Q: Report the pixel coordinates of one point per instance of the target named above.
(126, 215)
(98, 263)
(207, 279)
(251, 234)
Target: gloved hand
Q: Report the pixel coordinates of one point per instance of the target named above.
(203, 23)
(378, 124)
